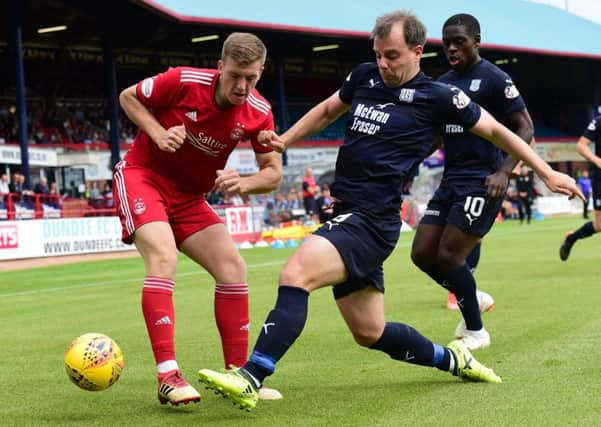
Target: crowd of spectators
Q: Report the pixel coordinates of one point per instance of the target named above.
(64, 121)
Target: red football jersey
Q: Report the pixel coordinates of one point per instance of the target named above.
(186, 95)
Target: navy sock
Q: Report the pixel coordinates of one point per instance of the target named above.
(473, 258)
(583, 232)
(281, 328)
(462, 284)
(404, 343)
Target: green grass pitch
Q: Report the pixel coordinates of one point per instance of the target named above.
(546, 341)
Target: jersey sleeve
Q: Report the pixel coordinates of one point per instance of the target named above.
(593, 129)
(268, 124)
(507, 95)
(160, 90)
(349, 85)
(456, 107)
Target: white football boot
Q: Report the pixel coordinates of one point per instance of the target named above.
(475, 340)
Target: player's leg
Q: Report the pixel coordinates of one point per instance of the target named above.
(145, 222)
(424, 251)
(315, 264)
(156, 244)
(425, 248)
(473, 258)
(363, 312)
(455, 246)
(588, 229)
(213, 248)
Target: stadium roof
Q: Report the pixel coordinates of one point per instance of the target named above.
(516, 25)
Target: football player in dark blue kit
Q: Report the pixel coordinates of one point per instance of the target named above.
(475, 178)
(592, 135)
(394, 113)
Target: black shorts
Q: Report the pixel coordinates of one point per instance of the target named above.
(596, 193)
(364, 240)
(463, 204)
(310, 205)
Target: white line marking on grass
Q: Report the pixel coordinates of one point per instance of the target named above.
(120, 282)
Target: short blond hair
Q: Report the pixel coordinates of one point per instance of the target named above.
(244, 48)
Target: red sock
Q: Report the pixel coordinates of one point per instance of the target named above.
(231, 316)
(157, 307)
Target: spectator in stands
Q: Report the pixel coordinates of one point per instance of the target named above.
(310, 191)
(190, 121)
(4, 186)
(16, 183)
(107, 194)
(325, 204)
(54, 197)
(584, 182)
(281, 208)
(269, 215)
(42, 186)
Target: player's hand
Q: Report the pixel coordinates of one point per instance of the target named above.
(561, 183)
(270, 139)
(496, 184)
(228, 181)
(172, 138)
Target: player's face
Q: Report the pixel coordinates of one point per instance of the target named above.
(460, 48)
(397, 62)
(236, 81)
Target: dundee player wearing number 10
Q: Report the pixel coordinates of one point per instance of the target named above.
(475, 178)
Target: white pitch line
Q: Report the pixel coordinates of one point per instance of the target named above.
(119, 282)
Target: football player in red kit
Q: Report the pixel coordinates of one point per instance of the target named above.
(189, 121)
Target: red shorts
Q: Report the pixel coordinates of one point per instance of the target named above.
(143, 196)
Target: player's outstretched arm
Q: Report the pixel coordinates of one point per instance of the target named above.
(487, 127)
(316, 119)
(583, 148)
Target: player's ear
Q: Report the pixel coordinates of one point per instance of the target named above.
(477, 39)
(220, 65)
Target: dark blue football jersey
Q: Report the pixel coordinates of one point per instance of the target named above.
(593, 133)
(466, 154)
(389, 131)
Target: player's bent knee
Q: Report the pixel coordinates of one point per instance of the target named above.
(294, 275)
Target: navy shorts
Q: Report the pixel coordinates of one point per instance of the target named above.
(364, 240)
(596, 194)
(463, 204)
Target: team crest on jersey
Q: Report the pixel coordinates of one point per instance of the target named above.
(238, 132)
(592, 126)
(511, 92)
(460, 99)
(139, 206)
(475, 85)
(407, 95)
(147, 86)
